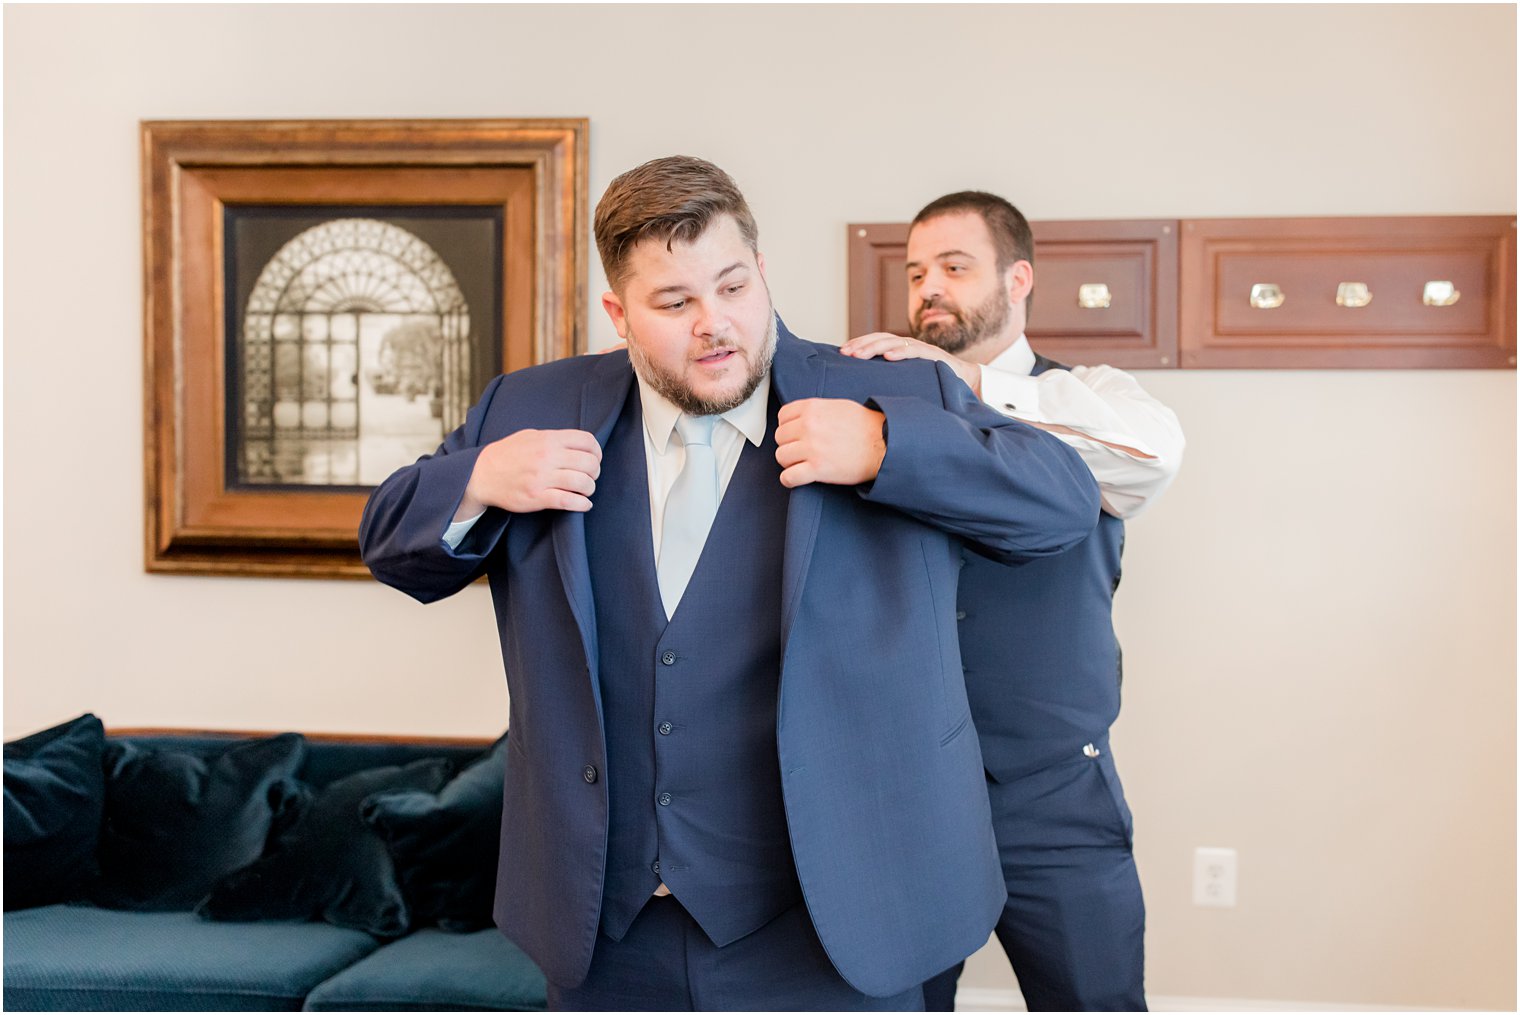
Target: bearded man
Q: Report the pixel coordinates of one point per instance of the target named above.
(1043, 667)
(741, 772)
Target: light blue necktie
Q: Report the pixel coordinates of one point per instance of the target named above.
(689, 509)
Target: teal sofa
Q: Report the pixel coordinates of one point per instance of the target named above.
(79, 956)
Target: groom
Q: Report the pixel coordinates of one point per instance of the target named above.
(742, 773)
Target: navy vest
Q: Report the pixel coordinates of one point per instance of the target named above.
(1043, 666)
(690, 705)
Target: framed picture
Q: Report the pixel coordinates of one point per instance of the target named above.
(323, 302)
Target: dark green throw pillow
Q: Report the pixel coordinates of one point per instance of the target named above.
(445, 844)
(54, 792)
(178, 821)
(327, 864)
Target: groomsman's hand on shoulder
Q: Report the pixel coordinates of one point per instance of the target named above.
(892, 348)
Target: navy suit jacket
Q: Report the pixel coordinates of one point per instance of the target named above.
(882, 776)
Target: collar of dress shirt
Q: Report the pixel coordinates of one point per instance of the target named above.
(748, 417)
(1018, 358)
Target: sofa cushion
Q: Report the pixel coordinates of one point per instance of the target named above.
(432, 970)
(326, 760)
(176, 821)
(54, 793)
(328, 864)
(445, 844)
(80, 958)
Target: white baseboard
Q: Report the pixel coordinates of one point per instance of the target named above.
(984, 999)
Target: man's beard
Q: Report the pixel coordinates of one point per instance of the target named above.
(674, 387)
(966, 327)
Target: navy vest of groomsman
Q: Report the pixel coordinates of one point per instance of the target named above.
(1037, 640)
(741, 771)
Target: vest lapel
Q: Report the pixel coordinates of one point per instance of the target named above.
(602, 398)
(1044, 363)
(797, 372)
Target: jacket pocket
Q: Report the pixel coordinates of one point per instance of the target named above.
(956, 730)
(955, 707)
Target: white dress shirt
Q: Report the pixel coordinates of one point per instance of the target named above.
(664, 458)
(1109, 407)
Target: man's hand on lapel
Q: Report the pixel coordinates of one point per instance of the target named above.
(534, 470)
(829, 440)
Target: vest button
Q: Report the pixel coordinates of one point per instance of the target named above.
(589, 773)
(663, 799)
(960, 614)
(668, 658)
(665, 729)
(1091, 751)
(655, 867)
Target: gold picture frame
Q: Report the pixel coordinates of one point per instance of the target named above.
(207, 407)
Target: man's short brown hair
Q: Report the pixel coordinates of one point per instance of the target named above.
(671, 199)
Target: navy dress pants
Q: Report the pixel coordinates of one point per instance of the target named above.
(666, 963)
(1074, 923)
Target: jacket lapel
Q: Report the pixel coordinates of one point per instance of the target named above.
(602, 399)
(797, 372)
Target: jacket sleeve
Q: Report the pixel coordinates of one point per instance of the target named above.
(1013, 491)
(401, 533)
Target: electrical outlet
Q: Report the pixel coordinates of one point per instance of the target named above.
(1214, 877)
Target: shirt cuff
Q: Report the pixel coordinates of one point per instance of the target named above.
(456, 531)
(1015, 395)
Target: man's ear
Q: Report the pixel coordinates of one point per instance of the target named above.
(1020, 279)
(760, 263)
(614, 308)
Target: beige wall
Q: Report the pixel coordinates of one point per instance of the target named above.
(1318, 619)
